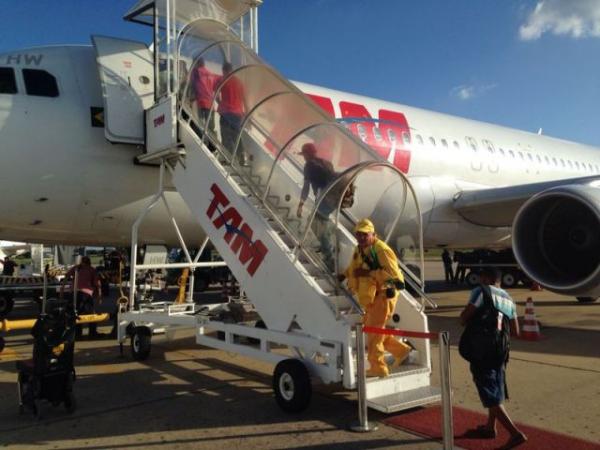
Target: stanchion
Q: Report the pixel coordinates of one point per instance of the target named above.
(448, 423)
(363, 424)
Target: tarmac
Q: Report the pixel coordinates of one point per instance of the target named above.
(186, 396)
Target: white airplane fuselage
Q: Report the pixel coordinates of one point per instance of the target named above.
(63, 182)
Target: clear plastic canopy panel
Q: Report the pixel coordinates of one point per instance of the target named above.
(277, 120)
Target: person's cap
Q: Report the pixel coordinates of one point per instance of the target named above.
(308, 149)
(364, 226)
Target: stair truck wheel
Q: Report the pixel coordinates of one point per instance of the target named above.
(292, 385)
(2, 344)
(509, 280)
(140, 343)
(472, 278)
(6, 304)
(587, 299)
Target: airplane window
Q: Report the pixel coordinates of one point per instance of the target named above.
(577, 164)
(522, 156)
(554, 161)
(8, 83)
(570, 163)
(530, 157)
(472, 143)
(419, 139)
(444, 142)
(432, 140)
(538, 158)
(391, 135)
(511, 153)
(547, 160)
(377, 134)
(590, 167)
(596, 166)
(40, 83)
(562, 162)
(362, 133)
(456, 144)
(406, 137)
(501, 150)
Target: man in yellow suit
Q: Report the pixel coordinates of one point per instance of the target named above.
(375, 278)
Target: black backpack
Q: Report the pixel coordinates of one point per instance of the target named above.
(482, 343)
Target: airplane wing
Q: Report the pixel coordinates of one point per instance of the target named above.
(497, 207)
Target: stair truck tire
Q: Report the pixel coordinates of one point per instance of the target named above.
(509, 279)
(292, 385)
(6, 304)
(587, 299)
(472, 279)
(140, 343)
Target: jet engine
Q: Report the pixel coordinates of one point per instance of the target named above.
(556, 240)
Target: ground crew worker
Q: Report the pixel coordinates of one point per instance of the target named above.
(375, 278)
(88, 284)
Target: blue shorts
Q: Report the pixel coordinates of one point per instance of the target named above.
(490, 385)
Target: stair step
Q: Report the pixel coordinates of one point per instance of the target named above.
(402, 378)
(400, 401)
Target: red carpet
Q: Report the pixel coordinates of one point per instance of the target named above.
(427, 422)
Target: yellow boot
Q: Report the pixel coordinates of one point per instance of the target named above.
(379, 372)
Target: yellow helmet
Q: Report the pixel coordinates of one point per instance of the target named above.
(364, 226)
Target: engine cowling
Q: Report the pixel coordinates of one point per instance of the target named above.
(556, 239)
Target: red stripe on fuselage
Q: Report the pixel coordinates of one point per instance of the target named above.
(385, 136)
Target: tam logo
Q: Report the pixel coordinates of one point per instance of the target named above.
(237, 234)
(386, 135)
(160, 120)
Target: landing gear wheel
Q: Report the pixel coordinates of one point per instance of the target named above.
(140, 343)
(6, 305)
(472, 279)
(292, 386)
(509, 280)
(587, 299)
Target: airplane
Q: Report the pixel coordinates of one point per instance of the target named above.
(69, 173)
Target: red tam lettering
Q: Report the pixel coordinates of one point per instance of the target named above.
(219, 199)
(254, 252)
(232, 221)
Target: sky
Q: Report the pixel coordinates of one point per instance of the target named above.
(526, 64)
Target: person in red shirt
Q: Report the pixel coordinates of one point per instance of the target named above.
(203, 86)
(232, 109)
(88, 284)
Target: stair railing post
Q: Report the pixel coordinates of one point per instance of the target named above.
(447, 421)
(363, 425)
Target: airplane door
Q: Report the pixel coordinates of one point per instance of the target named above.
(127, 75)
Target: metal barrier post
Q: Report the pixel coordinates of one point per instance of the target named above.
(361, 384)
(447, 423)
(44, 293)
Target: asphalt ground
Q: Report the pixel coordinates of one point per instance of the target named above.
(187, 396)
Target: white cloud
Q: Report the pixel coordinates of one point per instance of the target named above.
(467, 92)
(574, 18)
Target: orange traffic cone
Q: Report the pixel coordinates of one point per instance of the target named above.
(531, 327)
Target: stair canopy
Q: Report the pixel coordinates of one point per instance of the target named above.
(278, 120)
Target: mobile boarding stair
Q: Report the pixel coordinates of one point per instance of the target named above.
(244, 190)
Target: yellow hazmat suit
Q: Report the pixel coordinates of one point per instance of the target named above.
(382, 264)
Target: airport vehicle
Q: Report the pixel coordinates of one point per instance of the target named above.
(17, 287)
(474, 180)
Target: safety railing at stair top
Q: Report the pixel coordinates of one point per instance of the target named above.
(278, 120)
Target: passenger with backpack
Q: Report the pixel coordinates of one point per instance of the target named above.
(318, 173)
(490, 318)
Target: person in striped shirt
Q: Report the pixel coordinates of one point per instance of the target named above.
(491, 381)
